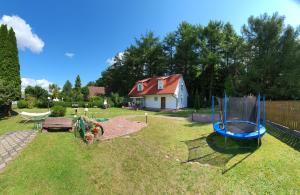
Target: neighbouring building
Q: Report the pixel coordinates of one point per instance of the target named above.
(96, 91)
(164, 92)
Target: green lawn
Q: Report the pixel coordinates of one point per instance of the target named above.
(153, 160)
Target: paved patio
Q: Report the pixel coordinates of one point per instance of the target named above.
(120, 126)
(12, 143)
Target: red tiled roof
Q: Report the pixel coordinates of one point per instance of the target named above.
(150, 86)
(95, 91)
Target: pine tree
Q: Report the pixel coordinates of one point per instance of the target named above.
(77, 89)
(78, 83)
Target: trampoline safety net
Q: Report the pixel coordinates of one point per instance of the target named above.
(239, 108)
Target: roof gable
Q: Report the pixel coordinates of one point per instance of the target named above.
(150, 86)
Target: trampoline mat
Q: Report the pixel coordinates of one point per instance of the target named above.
(240, 127)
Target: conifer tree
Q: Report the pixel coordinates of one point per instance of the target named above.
(9, 69)
(77, 89)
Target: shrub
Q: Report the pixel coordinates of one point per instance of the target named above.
(31, 101)
(96, 101)
(22, 104)
(82, 104)
(43, 103)
(68, 104)
(110, 102)
(98, 104)
(58, 110)
(116, 99)
(64, 104)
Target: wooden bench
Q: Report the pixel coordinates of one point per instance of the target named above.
(57, 123)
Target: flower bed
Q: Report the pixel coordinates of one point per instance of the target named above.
(89, 129)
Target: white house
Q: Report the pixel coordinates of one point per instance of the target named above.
(164, 92)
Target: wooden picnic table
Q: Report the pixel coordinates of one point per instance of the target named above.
(57, 123)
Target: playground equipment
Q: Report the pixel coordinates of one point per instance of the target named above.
(240, 117)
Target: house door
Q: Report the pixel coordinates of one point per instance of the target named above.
(163, 102)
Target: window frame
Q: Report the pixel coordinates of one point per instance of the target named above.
(140, 87)
(160, 84)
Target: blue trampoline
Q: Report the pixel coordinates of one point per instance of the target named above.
(240, 118)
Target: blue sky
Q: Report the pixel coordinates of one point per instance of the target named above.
(65, 38)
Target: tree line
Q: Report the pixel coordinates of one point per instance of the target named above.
(215, 59)
(36, 96)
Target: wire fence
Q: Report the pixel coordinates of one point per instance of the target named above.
(286, 113)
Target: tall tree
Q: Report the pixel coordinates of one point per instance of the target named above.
(77, 90)
(187, 53)
(234, 62)
(169, 45)
(9, 67)
(85, 93)
(272, 57)
(211, 58)
(150, 54)
(67, 91)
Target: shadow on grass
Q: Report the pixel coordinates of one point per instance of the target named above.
(212, 150)
(285, 135)
(3, 117)
(184, 112)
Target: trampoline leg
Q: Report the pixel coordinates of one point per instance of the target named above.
(258, 140)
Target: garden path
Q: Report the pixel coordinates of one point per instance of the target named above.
(12, 143)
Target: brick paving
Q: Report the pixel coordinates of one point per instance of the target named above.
(12, 143)
(120, 126)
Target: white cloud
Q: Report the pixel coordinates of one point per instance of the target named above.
(111, 61)
(32, 82)
(69, 54)
(26, 39)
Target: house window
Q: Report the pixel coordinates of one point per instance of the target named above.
(182, 86)
(140, 87)
(160, 84)
(155, 99)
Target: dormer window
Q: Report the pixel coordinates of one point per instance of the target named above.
(160, 84)
(140, 87)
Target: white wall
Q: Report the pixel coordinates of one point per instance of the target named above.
(151, 103)
(179, 92)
